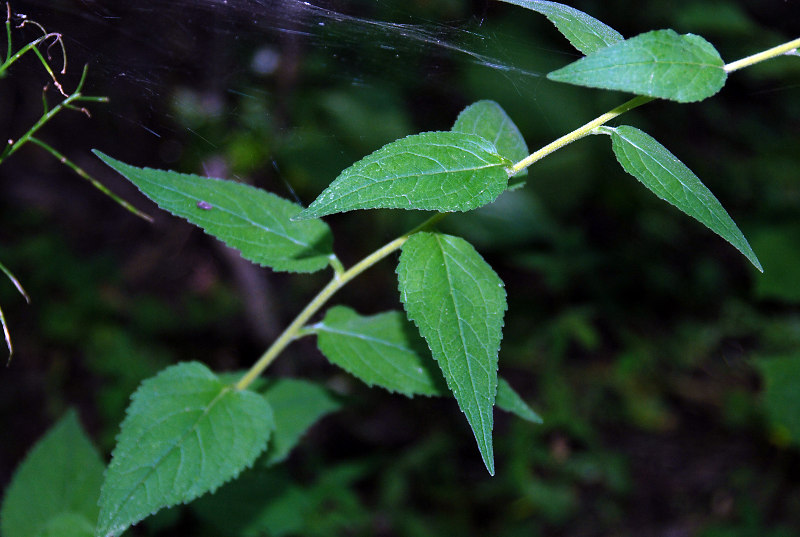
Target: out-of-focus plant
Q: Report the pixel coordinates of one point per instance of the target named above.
(189, 430)
(70, 101)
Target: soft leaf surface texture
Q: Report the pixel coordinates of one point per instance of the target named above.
(256, 223)
(381, 350)
(386, 350)
(458, 302)
(185, 434)
(296, 406)
(669, 179)
(661, 63)
(586, 33)
(488, 120)
(56, 486)
(433, 171)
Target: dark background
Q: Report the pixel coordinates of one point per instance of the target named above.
(635, 332)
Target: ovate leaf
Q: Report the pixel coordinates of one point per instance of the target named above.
(433, 171)
(457, 301)
(661, 63)
(185, 434)
(381, 350)
(669, 179)
(296, 405)
(386, 350)
(256, 223)
(586, 33)
(488, 120)
(56, 486)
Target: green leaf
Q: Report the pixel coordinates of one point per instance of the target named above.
(488, 120)
(385, 350)
(661, 63)
(586, 33)
(59, 479)
(433, 171)
(510, 401)
(457, 301)
(381, 350)
(669, 179)
(185, 434)
(781, 395)
(256, 223)
(68, 525)
(296, 405)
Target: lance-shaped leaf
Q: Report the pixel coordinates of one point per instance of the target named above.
(296, 405)
(488, 120)
(457, 301)
(586, 33)
(186, 433)
(255, 222)
(56, 486)
(669, 179)
(386, 350)
(661, 63)
(432, 171)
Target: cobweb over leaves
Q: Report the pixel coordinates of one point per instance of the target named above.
(140, 50)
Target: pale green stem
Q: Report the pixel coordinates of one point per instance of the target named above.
(774, 52)
(66, 103)
(577, 134)
(8, 35)
(82, 173)
(339, 280)
(588, 128)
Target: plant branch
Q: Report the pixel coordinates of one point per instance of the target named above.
(780, 50)
(577, 134)
(82, 173)
(76, 96)
(340, 279)
(588, 128)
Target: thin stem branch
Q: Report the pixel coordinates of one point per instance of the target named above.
(76, 96)
(588, 128)
(95, 183)
(768, 54)
(6, 333)
(342, 277)
(8, 34)
(339, 280)
(578, 133)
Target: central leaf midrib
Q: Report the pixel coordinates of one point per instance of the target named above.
(167, 452)
(461, 336)
(222, 208)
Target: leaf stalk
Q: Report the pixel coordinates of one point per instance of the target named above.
(589, 128)
(340, 279)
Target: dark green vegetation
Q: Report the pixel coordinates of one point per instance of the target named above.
(664, 366)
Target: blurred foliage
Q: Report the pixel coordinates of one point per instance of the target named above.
(664, 367)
